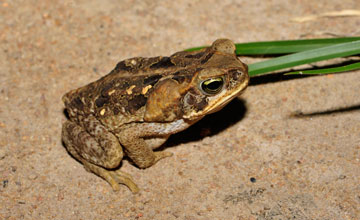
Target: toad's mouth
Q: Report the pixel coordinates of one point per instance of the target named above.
(221, 104)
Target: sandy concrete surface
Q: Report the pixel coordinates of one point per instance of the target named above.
(253, 160)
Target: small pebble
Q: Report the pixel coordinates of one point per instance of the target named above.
(32, 176)
(5, 183)
(2, 153)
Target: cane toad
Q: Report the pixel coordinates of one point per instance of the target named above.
(138, 105)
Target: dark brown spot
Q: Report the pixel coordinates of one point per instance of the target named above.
(193, 102)
(122, 66)
(180, 79)
(116, 110)
(105, 90)
(163, 63)
(99, 102)
(196, 56)
(201, 105)
(190, 99)
(136, 102)
(77, 103)
(125, 85)
(235, 74)
(207, 58)
(151, 80)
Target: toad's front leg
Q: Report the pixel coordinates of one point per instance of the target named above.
(139, 140)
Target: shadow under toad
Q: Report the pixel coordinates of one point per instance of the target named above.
(210, 125)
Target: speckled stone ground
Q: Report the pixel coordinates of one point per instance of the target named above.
(253, 160)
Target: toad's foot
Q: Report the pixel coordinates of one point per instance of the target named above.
(114, 178)
(161, 154)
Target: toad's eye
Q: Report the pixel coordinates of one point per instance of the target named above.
(212, 86)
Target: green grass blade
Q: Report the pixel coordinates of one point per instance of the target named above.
(284, 47)
(305, 57)
(350, 67)
(288, 46)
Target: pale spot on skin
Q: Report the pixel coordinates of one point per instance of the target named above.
(129, 90)
(133, 62)
(102, 112)
(111, 92)
(146, 89)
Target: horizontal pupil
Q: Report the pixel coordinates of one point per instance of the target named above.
(214, 85)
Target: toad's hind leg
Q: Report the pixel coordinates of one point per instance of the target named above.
(98, 150)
